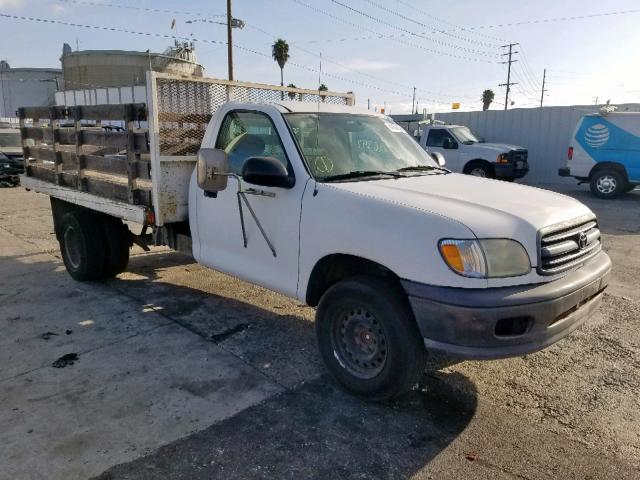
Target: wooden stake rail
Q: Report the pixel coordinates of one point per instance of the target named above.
(73, 148)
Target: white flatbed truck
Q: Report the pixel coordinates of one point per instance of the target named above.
(335, 206)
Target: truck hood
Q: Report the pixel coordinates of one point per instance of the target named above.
(496, 147)
(489, 208)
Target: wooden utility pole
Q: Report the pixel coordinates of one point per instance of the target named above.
(229, 40)
(544, 79)
(509, 83)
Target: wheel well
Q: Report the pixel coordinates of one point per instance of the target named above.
(477, 161)
(609, 166)
(333, 268)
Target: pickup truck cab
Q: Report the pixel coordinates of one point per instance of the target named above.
(465, 153)
(341, 209)
(604, 151)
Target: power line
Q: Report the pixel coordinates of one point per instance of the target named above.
(216, 42)
(390, 37)
(434, 29)
(346, 67)
(551, 20)
(409, 32)
(458, 27)
(132, 7)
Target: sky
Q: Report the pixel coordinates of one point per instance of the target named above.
(378, 49)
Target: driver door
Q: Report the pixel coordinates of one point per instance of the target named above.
(244, 134)
(437, 140)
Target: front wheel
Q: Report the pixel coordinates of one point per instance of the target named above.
(479, 169)
(368, 338)
(607, 183)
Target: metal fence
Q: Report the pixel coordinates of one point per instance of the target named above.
(546, 132)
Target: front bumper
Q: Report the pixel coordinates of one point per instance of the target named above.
(508, 321)
(511, 171)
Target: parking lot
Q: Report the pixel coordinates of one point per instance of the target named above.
(183, 372)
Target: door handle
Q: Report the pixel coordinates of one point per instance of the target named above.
(261, 193)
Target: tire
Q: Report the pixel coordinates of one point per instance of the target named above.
(368, 338)
(607, 183)
(82, 245)
(117, 239)
(479, 169)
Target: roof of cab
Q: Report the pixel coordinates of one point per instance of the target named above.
(315, 107)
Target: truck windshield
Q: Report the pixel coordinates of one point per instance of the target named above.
(335, 145)
(10, 139)
(464, 135)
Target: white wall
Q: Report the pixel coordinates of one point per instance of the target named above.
(546, 132)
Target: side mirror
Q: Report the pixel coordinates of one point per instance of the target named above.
(266, 172)
(212, 167)
(449, 144)
(439, 158)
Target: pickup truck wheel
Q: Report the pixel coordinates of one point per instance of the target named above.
(479, 169)
(368, 338)
(607, 183)
(118, 240)
(82, 245)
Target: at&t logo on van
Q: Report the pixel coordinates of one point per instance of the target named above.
(596, 135)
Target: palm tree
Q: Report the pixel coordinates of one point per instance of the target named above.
(322, 88)
(280, 53)
(487, 98)
(292, 95)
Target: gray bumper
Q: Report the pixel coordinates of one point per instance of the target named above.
(509, 321)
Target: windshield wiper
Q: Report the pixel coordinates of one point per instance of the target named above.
(422, 168)
(359, 174)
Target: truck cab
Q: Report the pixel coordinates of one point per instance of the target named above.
(466, 153)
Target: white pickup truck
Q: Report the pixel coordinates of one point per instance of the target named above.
(465, 153)
(335, 206)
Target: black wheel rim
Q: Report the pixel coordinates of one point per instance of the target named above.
(359, 342)
(72, 247)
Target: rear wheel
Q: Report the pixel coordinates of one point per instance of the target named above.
(117, 239)
(479, 169)
(607, 183)
(368, 338)
(82, 245)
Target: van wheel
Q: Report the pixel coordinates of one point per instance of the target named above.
(82, 245)
(368, 338)
(479, 169)
(607, 183)
(117, 238)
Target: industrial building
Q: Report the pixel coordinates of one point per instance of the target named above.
(26, 86)
(90, 69)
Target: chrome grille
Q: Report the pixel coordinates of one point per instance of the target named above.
(568, 246)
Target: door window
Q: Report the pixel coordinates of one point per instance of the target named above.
(250, 134)
(437, 137)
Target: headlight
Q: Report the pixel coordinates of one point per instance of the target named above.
(489, 258)
(503, 158)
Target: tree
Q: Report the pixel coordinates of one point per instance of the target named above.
(487, 98)
(292, 95)
(280, 53)
(322, 88)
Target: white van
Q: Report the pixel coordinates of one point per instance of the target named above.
(605, 151)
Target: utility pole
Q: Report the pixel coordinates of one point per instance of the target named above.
(544, 79)
(595, 100)
(509, 62)
(413, 102)
(229, 40)
(368, 104)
